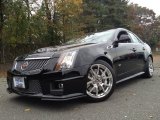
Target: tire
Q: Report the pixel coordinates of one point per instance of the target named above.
(100, 81)
(149, 68)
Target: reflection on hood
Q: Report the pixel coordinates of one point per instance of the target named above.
(46, 49)
(60, 48)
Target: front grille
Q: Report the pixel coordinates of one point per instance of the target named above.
(31, 65)
(34, 87)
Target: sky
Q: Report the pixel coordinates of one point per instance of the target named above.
(151, 4)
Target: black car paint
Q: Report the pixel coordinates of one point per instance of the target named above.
(127, 59)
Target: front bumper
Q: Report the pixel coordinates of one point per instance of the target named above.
(56, 86)
(50, 97)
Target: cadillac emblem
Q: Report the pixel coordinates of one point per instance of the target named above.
(24, 65)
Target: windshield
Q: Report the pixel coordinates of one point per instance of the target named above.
(94, 38)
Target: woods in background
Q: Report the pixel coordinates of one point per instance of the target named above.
(55, 21)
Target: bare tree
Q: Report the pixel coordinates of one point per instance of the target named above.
(28, 15)
(49, 9)
(1, 17)
(1, 27)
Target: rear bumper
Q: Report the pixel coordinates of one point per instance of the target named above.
(56, 86)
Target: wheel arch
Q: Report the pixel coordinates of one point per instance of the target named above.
(104, 59)
(151, 56)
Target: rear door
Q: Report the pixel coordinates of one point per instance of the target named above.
(140, 52)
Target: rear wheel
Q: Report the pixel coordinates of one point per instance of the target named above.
(149, 68)
(101, 81)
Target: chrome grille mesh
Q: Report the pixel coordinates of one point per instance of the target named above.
(32, 64)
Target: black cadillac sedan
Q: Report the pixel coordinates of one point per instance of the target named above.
(87, 67)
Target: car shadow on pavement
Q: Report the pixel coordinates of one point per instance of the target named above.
(131, 82)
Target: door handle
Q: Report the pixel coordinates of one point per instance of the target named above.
(109, 47)
(134, 49)
(144, 48)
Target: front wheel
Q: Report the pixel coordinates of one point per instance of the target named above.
(149, 68)
(100, 81)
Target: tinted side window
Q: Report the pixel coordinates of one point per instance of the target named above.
(123, 33)
(134, 38)
(138, 39)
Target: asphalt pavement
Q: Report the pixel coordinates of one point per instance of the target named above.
(136, 99)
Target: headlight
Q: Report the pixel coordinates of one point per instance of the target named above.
(14, 65)
(66, 60)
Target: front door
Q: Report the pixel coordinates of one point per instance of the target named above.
(125, 60)
(126, 57)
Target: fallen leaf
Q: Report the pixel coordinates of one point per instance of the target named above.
(134, 94)
(150, 116)
(27, 110)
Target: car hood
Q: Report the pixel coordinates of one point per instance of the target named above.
(50, 52)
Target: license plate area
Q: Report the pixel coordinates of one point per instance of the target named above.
(19, 82)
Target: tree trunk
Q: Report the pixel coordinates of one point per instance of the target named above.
(49, 21)
(1, 18)
(1, 29)
(28, 16)
(48, 12)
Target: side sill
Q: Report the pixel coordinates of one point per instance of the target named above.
(135, 75)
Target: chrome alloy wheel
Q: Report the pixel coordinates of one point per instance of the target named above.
(100, 81)
(150, 67)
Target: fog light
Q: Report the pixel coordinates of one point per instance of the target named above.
(60, 86)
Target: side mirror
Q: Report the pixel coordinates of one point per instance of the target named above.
(115, 43)
(124, 39)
